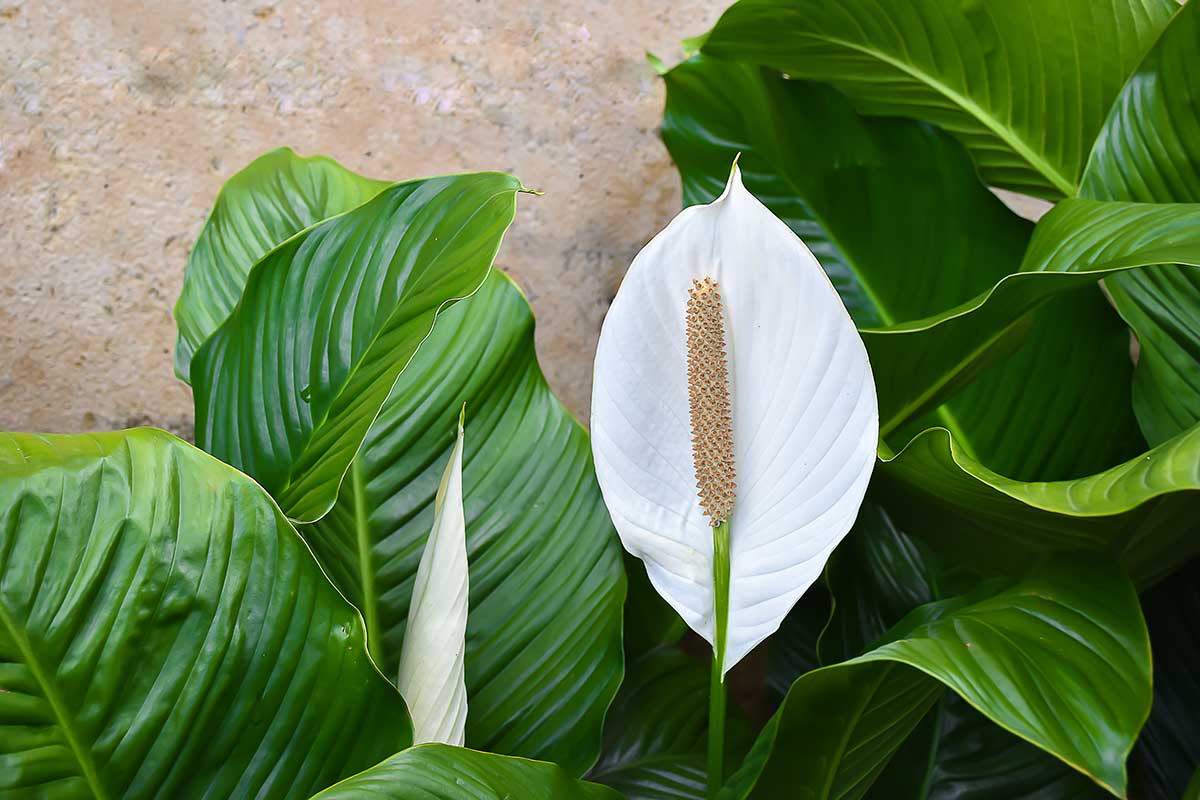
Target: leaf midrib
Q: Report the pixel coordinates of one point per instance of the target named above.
(366, 567)
(83, 756)
(1060, 182)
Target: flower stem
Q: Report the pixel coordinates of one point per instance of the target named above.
(716, 689)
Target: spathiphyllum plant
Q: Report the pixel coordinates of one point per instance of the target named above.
(733, 422)
(909, 484)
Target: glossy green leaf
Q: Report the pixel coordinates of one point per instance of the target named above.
(441, 772)
(879, 575)
(649, 621)
(958, 753)
(165, 633)
(543, 656)
(288, 386)
(1060, 658)
(859, 192)
(876, 576)
(1024, 85)
(792, 650)
(1168, 751)
(1149, 152)
(1142, 509)
(279, 194)
(920, 363)
(656, 733)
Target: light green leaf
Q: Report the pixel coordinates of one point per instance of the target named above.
(1149, 152)
(277, 195)
(441, 772)
(543, 656)
(165, 633)
(1060, 658)
(431, 659)
(1024, 85)
(288, 386)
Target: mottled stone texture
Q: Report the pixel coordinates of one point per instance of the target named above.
(119, 120)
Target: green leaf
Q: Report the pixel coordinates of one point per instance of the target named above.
(1168, 751)
(919, 364)
(543, 656)
(956, 752)
(860, 192)
(165, 633)
(1025, 87)
(876, 576)
(1060, 658)
(441, 772)
(1149, 152)
(649, 621)
(288, 386)
(656, 733)
(277, 195)
(1142, 509)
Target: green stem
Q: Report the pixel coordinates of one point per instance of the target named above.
(716, 689)
(366, 570)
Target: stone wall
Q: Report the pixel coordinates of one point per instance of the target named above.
(119, 121)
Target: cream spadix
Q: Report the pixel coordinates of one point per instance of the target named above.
(767, 419)
(431, 678)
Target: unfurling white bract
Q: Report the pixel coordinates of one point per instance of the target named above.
(795, 420)
(431, 678)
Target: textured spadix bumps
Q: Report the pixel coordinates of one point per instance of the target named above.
(802, 412)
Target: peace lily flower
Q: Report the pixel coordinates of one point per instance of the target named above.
(431, 678)
(734, 422)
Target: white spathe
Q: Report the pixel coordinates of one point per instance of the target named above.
(805, 416)
(431, 660)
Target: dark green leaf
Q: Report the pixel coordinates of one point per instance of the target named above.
(656, 733)
(277, 195)
(860, 192)
(649, 621)
(440, 772)
(1168, 751)
(958, 754)
(543, 654)
(1149, 152)
(918, 364)
(876, 576)
(165, 633)
(999, 524)
(288, 386)
(1024, 85)
(1060, 658)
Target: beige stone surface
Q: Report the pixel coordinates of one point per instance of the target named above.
(119, 120)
